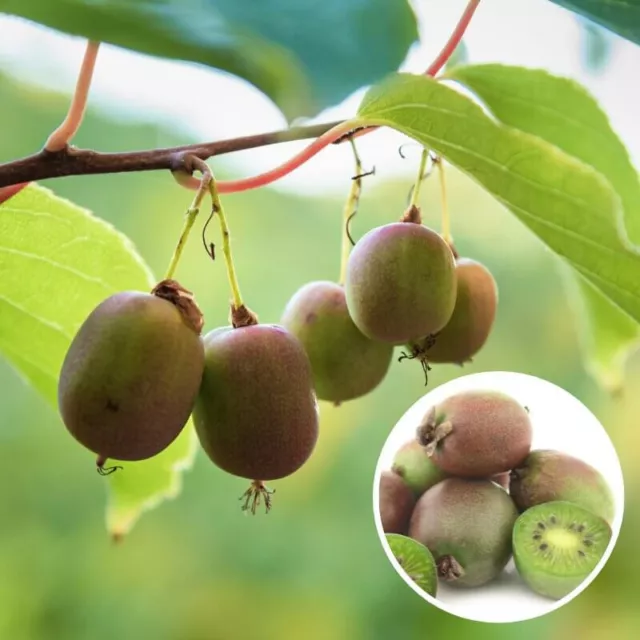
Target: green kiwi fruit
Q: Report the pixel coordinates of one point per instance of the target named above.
(395, 503)
(345, 363)
(416, 468)
(476, 434)
(547, 475)
(256, 414)
(473, 316)
(556, 546)
(131, 375)
(401, 283)
(467, 525)
(416, 561)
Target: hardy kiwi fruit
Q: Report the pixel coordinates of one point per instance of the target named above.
(131, 375)
(472, 319)
(416, 561)
(416, 468)
(476, 434)
(345, 363)
(256, 414)
(401, 283)
(557, 545)
(395, 504)
(467, 525)
(547, 475)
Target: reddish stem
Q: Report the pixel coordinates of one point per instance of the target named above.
(7, 192)
(235, 186)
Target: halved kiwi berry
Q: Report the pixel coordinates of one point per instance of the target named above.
(556, 545)
(416, 561)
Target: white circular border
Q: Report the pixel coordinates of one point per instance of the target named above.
(495, 380)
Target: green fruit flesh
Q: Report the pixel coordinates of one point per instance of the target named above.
(395, 504)
(345, 363)
(548, 475)
(130, 377)
(476, 434)
(416, 468)
(401, 283)
(256, 414)
(557, 545)
(473, 316)
(467, 526)
(416, 561)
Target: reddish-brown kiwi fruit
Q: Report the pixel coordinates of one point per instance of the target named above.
(345, 363)
(474, 314)
(256, 414)
(396, 503)
(401, 283)
(131, 375)
(476, 434)
(467, 526)
(549, 476)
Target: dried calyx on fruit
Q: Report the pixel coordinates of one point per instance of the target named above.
(131, 375)
(256, 414)
(476, 434)
(345, 363)
(401, 283)
(470, 325)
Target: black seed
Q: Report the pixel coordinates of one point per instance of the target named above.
(541, 525)
(553, 520)
(572, 526)
(587, 543)
(544, 546)
(581, 528)
(581, 553)
(536, 536)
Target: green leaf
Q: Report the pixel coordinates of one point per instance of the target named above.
(620, 16)
(566, 203)
(303, 55)
(562, 112)
(607, 334)
(57, 262)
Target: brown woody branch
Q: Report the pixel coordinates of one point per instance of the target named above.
(74, 162)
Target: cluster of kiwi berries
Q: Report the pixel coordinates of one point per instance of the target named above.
(468, 493)
(404, 285)
(138, 367)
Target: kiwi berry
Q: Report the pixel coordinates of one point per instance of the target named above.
(416, 561)
(256, 414)
(547, 475)
(473, 316)
(345, 363)
(476, 434)
(467, 525)
(557, 545)
(131, 375)
(395, 504)
(401, 283)
(416, 468)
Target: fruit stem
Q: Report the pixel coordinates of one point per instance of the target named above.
(422, 174)
(190, 218)
(236, 297)
(446, 220)
(61, 137)
(349, 212)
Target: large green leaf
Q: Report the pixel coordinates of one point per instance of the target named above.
(561, 112)
(57, 262)
(621, 16)
(569, 205)
(304, 55)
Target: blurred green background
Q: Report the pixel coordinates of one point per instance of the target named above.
(197, 568)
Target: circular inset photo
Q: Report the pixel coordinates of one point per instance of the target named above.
(498, 497)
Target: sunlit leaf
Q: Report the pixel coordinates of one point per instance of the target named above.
(57, 262)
